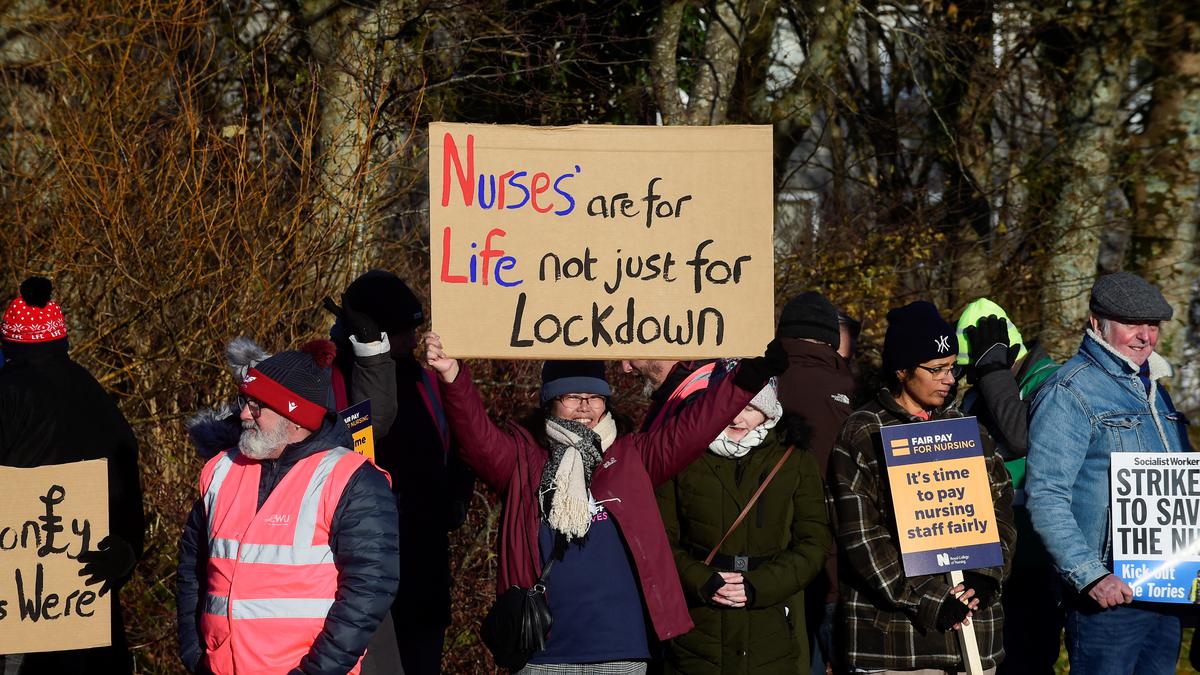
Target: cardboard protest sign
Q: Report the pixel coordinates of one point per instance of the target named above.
(1156, 525)
(48, 516)
(357, 419)
(942, 496)
(601, 242)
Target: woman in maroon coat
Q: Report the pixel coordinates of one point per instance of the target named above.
(578, 486)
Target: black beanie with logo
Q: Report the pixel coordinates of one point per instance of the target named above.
(916, 333)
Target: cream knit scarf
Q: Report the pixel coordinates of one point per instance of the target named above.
(575, 451)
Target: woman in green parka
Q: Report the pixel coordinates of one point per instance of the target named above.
(748, 603)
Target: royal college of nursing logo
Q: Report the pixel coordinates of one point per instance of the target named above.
(943, 559)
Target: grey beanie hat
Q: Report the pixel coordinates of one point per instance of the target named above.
(1128, 298)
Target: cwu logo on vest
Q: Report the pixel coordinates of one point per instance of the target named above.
(278, 519)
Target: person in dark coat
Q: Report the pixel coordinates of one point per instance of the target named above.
(215, 430)
(888, 621)
(748, 602)
(817, 387)
(280, 433)
(52, 411)
(376, 326)
(577, 479)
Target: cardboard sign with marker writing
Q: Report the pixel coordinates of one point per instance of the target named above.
(48, 516)
(601, 242)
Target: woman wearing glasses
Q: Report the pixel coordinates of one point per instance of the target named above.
(576, 487)
(889, 622)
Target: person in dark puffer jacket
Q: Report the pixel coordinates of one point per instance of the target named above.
(286, 428)
(748, 603)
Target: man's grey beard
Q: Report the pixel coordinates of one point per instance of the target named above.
(258, 443)
(647, 388)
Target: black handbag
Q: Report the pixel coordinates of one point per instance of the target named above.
(516, 626)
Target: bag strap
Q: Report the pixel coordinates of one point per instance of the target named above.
(560, 548)
(750, 504)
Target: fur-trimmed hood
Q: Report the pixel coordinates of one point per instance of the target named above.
(217, 429)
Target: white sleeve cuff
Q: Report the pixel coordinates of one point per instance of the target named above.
(382, 346)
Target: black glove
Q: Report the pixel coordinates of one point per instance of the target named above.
(987, 346)
(753, 374)
(356, 323)
(108, 564)
(952, 611)
(710, 587)
(985, 587)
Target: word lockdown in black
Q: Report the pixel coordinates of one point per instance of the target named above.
(694, 326)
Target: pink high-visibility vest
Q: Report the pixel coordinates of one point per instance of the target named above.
(271, 573)
(692, 383)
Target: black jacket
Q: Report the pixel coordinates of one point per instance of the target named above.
(363, 537)
(432, 485)
(52, 411)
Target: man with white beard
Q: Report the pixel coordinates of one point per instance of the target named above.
(290, 557)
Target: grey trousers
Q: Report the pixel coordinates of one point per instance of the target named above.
(609, 668)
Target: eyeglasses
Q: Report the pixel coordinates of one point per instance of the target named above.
(953, 370)
(254, 405)
(577, 401)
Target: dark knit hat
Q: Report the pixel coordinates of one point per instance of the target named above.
(385, 298)
(573, 377)
(1128, 298)
(33, 317)
(916, 333)
(292, 384)
(810, 315)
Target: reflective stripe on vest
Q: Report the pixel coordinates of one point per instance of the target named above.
(271, 573)
(691, 384)
(276, 608)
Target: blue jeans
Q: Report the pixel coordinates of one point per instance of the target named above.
(1124, 640)
(821, 644)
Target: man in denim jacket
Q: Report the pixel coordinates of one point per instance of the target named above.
(1105, 399)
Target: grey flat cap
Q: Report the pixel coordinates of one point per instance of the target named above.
(1128, 298)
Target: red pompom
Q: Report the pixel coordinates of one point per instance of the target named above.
(322, 351)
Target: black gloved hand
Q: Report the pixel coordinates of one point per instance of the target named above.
(951, 612)
(985, 587)
(108, 564)
(988, 349)
(753, 374)
(710, 587)
(356, 323)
